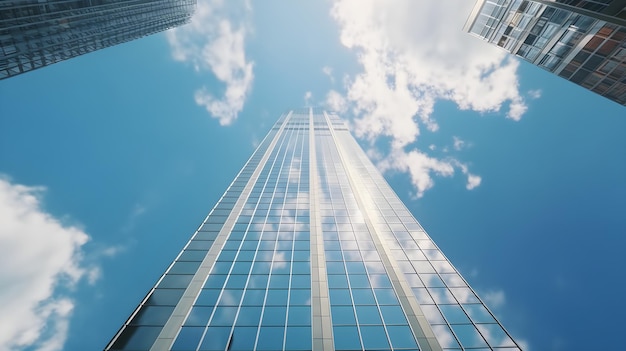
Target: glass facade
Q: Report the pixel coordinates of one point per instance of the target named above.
(37, 33)
(310, 249)
(581, 41)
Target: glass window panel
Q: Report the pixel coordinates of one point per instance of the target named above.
(445, 337)
(335, 268)
(152, 315)
(208, 297)
(300, 297)
(453, 280)
(340, 297)
(224, 316)
(393, 315)
(175, 281)
(215, 281)
(279, 281)
(298, 338)
(423, 267)
(401, 336)
(464, 295)
(422, 296)
(236, 281)
(253, 297)
(468, 336)
(243, 338)
(441, 295)
(432, 281)
(478, 313)
(192, 255)
(137, 338)
(165, 297)
(337, 281)
(346, 338)
(375, 267)
(299, 315)
(363, 296)
(258, 281)
(215, 339)
(230, 297)
(188, 339)
(433, 255)
(432, 314)
(454, 314)
(343, 315)
(203, 245)
(380, 281)
(386, 297)
(334, 255)
(225, 258)
(270, 338)
(199, 316)
(261, 268)
(368, 315)
(359, 281)
(301, 281)
(301, 267)
(495, 335)
(277, 297)
(355, 267)
(274, 315)
(374, 337)
(249, 316)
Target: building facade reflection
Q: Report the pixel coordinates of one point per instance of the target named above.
(310, 249)
(581, 41)
(37, 33)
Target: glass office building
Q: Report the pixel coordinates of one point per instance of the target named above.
(311, 249)
(581, 41)
(37, 33)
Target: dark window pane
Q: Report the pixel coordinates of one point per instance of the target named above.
(199, 316)
(215, 339)
(188, 339)
(152, 315)
(175, 281)
(243, 338)
(137, 338)
(165, 297)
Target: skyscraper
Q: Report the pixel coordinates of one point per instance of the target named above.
(37, 33)
(310, 249)
(581, 41)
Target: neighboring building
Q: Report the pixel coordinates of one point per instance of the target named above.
(581, 41)
(311, 249)
(37, 33)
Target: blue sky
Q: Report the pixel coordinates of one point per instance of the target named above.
(110, 161)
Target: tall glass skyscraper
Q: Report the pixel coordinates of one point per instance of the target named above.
(310, 249)
(581, 41)
(37, 33)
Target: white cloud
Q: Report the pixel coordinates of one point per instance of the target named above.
(413, 54)
(40, 261)
(534, 94)
(473, 180)
(419, 166)
(307, 98)
(214, 42)
(458, 143)
(328, 71)
(335, 102)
